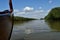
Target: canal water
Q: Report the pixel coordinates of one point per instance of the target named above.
(35, 29)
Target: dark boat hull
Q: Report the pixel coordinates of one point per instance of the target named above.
(5, 27)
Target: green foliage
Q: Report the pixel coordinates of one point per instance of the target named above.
(54, 25)
(16, 18)
(41, 18)
(53, 14)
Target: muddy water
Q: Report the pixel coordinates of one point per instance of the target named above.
(36, 26)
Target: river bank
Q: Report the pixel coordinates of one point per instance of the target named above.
(18, 19)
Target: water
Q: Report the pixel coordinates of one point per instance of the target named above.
(36, 27)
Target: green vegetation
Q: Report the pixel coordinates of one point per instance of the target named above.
(18, 19)
(41, 18)
(54, 14)
(53, 19)
(54, 25)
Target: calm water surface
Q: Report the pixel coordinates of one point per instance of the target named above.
(35, 26)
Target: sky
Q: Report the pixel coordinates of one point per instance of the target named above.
(30, 8)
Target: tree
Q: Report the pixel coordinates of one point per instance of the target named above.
(53, 14)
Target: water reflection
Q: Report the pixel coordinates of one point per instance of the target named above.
(54, 25)
(35, 26)
(28, 31)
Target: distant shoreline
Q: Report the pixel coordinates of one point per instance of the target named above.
(18, 19)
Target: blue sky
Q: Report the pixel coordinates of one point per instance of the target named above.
(30, 6)
(46, 4)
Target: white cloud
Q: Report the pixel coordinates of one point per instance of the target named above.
(16, 10)
(49, 10)
(32, 14)
(27, 9)
(38, 11)
(40, 7)
(50, 1)
(41, 10)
